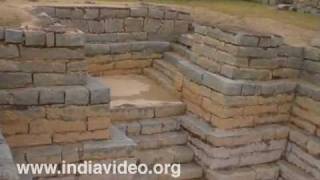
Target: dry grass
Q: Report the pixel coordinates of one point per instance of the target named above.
(297, 28)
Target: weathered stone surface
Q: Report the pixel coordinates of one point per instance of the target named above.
(14, 36)
(77, 95)
(51, 79)
(70, 39)
(96, 26)
(139, 11)
(51, 53)
(9, 51)
(114, 25)
(99, 93)
(41, 66)
(114, 12)
(35, 38)
(63, 12)
(134, 24)
(52, 96)
(15, 80)
(27, 96)
(91, 13)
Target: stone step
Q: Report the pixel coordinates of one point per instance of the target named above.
(166, 69)
(185, 52)
(186, 40)
(258, 172)
(92, 49)
(127, 113)
(291, 172)
(168, 155)
(161, 78)
(225, 85)
(154, 141)
(150, 126)
(94, 92)
(119, 146)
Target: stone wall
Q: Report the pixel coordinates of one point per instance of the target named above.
(121, 23)
(255, 91)
(46, 94)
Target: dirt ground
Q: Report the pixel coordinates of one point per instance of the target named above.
(16, 12)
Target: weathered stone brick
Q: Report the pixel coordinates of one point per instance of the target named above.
(42, 67)
(23, 140)
(44, 154)
(114, 12)
(52, 96)
(114, 25)
(2, 31)
(99, 93)
(139, 11)
(27, 96)
(15, 80)
(91, 13)
(14, 36)
(49, 79)
(96, 26)
(35, 38)
(96, 123)
(77, 95)
(50, 39)
(51, 53)
(9, 51)
(56, 126)
(152, 25)
(134, 24)
(181, 26)
(70, 39)
(81, 136)
(63, 12)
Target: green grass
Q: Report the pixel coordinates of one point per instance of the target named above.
(241, 8)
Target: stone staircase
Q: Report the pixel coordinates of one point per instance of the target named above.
(161, 140)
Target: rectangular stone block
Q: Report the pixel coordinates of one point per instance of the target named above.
(23, 140)
(62, 12)
(81, 136)
(9, 51)
(15, 80)
(27, 96)
(96, 123)
(42, 67)
(51, 53)
(54, 95)
(138, 11)
(99, 92)
(70, 39)
(77, 95)
(114, 12)
(56, 126)
(114, 25)
(96, 26)
(14, 36)
(91, 13)
(52, 79)
(35, 38)
(134, 24)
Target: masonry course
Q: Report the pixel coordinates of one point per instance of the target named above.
(249, 105)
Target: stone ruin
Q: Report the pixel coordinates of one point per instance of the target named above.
(248, 103)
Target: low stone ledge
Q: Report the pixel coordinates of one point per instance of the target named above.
(90, 94)
(240, 37)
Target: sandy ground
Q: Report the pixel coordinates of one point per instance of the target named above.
(136, 90)
(15, 13)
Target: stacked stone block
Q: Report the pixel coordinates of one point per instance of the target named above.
(304, 140)
(122, 23)
(8, 169)
(47, 96)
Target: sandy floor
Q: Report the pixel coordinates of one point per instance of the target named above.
(136, 90)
